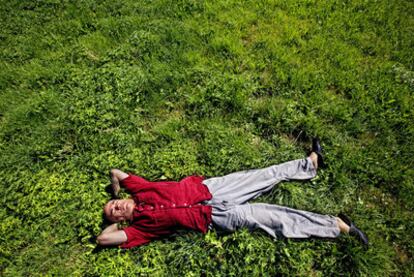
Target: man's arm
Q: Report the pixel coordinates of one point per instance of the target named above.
(112, 236)
(117, 176)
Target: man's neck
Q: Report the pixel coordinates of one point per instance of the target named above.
(133, 209)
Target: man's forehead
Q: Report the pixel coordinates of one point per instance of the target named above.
(108, 204)
(108, 210)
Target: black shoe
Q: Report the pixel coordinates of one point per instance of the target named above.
(354, 231)
(317, 148)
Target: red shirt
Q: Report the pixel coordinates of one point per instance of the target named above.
(162, 207)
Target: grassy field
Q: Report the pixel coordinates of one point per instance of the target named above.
(165, 89)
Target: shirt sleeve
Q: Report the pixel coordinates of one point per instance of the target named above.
(133, 183)
(134, 237)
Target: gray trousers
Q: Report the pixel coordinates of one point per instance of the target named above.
(232, 211)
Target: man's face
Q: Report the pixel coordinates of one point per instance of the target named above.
(119, 210)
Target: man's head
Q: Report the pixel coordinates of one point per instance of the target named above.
(119, 209)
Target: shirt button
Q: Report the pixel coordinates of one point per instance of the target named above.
(162, 206)
(151, 208)
(189, 206)
(185, 204)
(173, 205)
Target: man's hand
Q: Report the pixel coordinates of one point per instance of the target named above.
(116, 176)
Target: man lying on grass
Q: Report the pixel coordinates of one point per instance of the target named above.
(157, 209)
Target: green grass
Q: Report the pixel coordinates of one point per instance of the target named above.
(171, 88)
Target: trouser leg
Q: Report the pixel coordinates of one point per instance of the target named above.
(276, 221)
(240, 187)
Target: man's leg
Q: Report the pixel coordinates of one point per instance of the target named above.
(277, 221)
(240, 187)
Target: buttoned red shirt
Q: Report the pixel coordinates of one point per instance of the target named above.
(163, 207)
